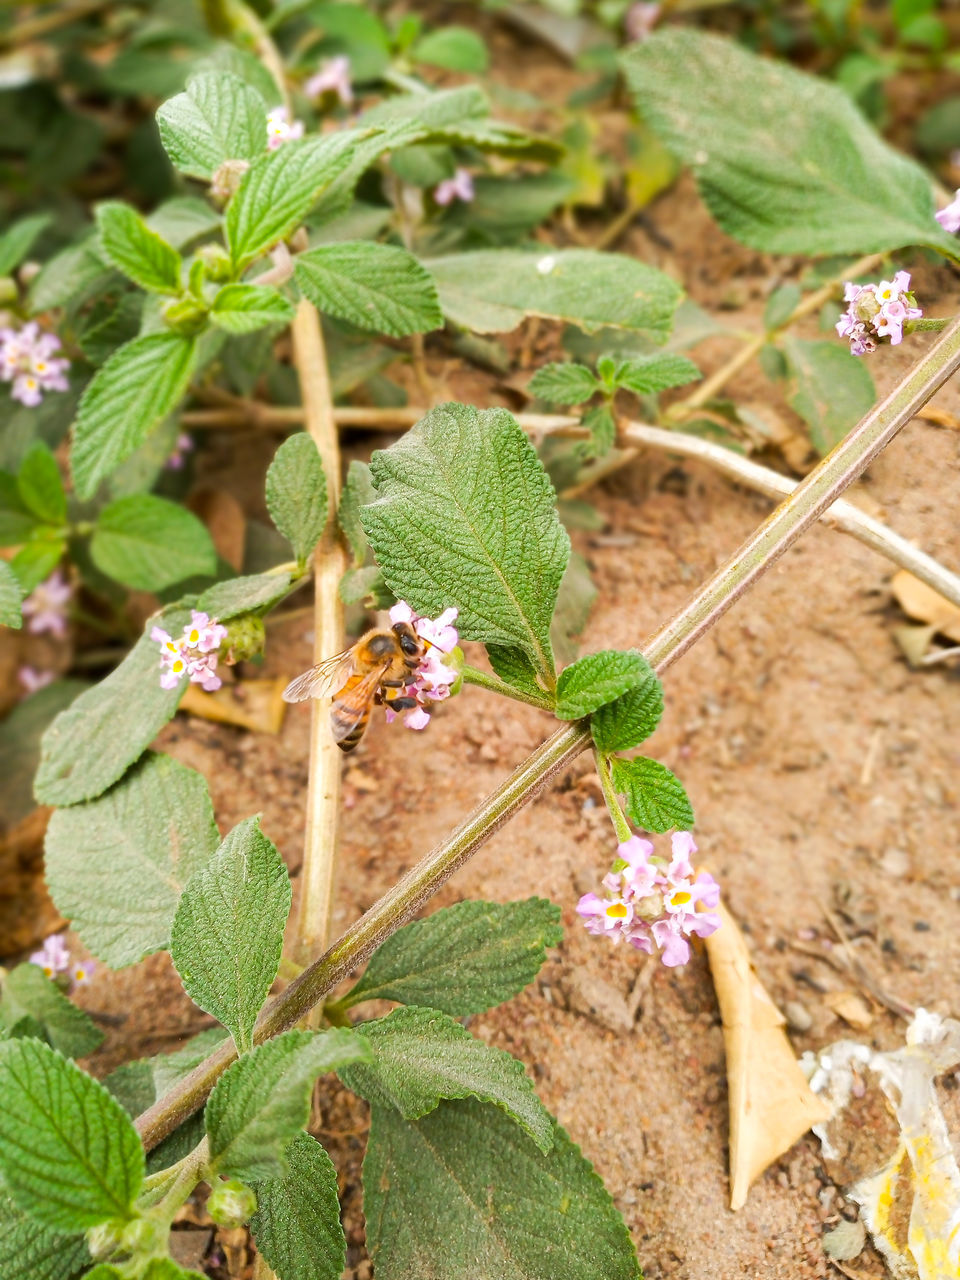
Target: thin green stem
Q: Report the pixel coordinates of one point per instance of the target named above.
(929, 323)
(471, 675)
(784, 526)
(620, 824)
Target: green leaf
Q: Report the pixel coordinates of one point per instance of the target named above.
(96, 739)
(142, 255)
(254, 592)
(466, 517)
(17, 241)
(28, 992)
(804, 173)
(20, 734)
(69, 1154)
(462, 959)
(374, 286)
(218, 118)
(513, 666)
(17, 522)
(262, 1101)
(421, 1056)
(464, 1194)
(10, 597)
(70, 276)
(138, 386)
(37, 559)
(227, 932)
(597, 679)
(492, 290)
(452, 47)
(40, 486)
(242, 308)
(831, 389)
(297, 494)
(148, 543)
(655, 798)
(630, 719)
(648, 375)
(358, 491)
(116, 866)
(563, 383)
(278, 189)
(781, 305)
(297, 1223)
(156, 1269)
(183, 219)
(29, 1251)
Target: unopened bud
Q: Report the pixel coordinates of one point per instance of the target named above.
(145, 1237)
(104, 1240)
(185, 315)
(231, 1204)
(246, 638)
(227, 179)
(216, 261)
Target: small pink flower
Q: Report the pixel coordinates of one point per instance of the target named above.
(459, 187)
(333, 77)
(653, 906)
(949, 218)
(183, 446)
(877, 311)
(81, 972)
(46, 606)
(31, 679)
(53, 957)
(280, 129)
(193, 655)
(203, 633)
(640, 19)
(27, 361)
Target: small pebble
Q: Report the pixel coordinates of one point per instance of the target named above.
(798, 1017)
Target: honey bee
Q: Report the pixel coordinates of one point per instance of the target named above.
(377, 669)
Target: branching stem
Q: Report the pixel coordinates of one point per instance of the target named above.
(471, 675)
(620, 824)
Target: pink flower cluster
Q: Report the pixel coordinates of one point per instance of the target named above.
(46, 606)
(433, 677)
(54, 959)
(653, 905)
(877, 311)
(194, 654)
(26, 360)
(459, 187)
(280, 129)
(333, 77)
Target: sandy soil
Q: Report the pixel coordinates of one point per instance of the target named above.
(822, 769)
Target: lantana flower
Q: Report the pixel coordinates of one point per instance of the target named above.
(281, 129)
(333, 77)
(31, 679)
(459, 187)
(877, 311)
(46, 606)
(652, 903)
(183, 446)
(53, 957)
(434, 677)
(949, 218)
(27, 360)
(194, 654)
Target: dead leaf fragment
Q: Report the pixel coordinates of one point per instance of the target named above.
(853, 1009)
(918, 600)
(771, 1104)
(257, 705)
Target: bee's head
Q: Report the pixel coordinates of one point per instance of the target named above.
(411, 646)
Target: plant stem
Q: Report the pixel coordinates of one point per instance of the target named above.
(251, 413)
(709, 388)
(929, 323)
(329, 564)
(785, 525)
(620, 824)
(43, 24)
(471, 675)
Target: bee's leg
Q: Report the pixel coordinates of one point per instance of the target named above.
(403, 704)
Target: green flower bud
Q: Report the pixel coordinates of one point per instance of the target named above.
(105, 1239)
(216, 261)
(455, 659)
(231, 1204)
(144, 1237)
(246, 638)
(8, 290)
(185, 315)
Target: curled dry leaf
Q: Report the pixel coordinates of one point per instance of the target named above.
(257, 705)
(771, 1104)
(919, 601)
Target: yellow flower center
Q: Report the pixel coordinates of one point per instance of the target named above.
(178, 666)
(194, 637)
(617, 910)
(680, 898)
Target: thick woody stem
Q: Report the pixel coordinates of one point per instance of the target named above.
(782, 528)
(329, 564)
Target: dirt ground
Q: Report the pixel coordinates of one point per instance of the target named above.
(823, 771)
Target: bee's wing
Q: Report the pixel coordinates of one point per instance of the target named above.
(322, 680)
(353, 703)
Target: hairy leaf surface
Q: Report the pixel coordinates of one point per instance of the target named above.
(297, 1223)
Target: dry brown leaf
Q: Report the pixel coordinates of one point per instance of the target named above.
(249, 704)
(853, 1009)
(918, 600)
(771, 1104)
(939, 417)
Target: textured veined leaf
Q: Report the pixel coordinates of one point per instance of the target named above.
(466, 517)
(244, 308)
(141, 254)
(253, 592)
(655, 798)
(597, 679)
(630, 719)
(375, 286)
(784, 160)
(40, 486)
(463, 1194)
(830, 389)
(116, 866)
(149, 543)
(650, 374)
(29, 993)
(564, 383)
(10, 596)
(219, 117)
(30, 1251)
(297, 494)
(297, 1223)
